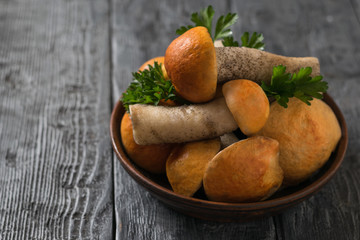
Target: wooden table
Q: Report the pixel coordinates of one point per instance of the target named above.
(63, 65)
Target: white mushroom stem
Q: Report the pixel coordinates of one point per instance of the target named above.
(253, 64)
(161, 124)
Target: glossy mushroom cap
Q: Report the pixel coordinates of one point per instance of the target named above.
(307, 136)
(248, 103)
(246, 171)
(190, 61)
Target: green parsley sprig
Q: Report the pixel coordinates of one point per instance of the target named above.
(205, 18)
(148, 87)
(255, 41)
(300, 85)
(222, 26)
(230, 42)
(222, 29)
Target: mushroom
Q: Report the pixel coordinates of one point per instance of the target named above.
(246, 171)
(187, 163)
(256, 65)
(195, 66)
(248, 104)
(162, 124)
(190, 61)
(307, 136)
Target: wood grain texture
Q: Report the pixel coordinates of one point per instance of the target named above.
(63, 65)
(332, 35)
(55, 154)
(328, 30)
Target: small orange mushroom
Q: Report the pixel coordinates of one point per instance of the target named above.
(248, 104)
(190, 62)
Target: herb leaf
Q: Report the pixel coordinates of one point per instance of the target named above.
(205, 17)
(222, 31)
(300, 85)
(222, 26)
(183, 29)
(148, 87)
(229, 42)
(256, 40)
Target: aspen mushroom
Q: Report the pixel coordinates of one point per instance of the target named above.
(195, 66)
(190, 61)
(187, 163)
(246, 171)
(307, 136)
(248, 104)
(162, 124)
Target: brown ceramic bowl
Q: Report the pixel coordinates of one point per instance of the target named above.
(198, 206)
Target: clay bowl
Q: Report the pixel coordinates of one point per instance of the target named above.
(199, 207)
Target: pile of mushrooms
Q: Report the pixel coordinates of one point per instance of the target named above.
(247, 170)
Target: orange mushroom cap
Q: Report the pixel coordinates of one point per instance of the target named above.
(190, 61)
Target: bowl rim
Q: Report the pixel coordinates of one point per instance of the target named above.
(289, 199)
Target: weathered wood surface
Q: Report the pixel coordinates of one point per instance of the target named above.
(55, 153)
(329, 30)
(63, 65)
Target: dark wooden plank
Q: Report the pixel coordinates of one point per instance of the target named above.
(55, 154)
(355, 4)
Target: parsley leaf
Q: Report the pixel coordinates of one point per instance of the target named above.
(183, 29)
(229, 42)
(300, 85)
(204, 18)
(222, 31)
(223, 24)
(256, 40)
(148, 87)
